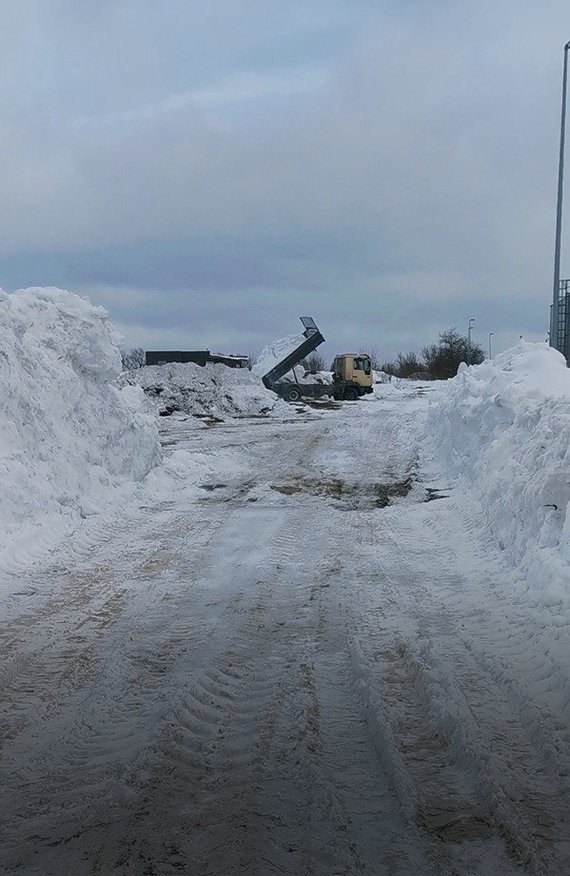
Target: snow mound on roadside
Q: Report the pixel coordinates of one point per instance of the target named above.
(213, 389)
(68, 437)
(381, 377)
(504, 427)
(387, 386)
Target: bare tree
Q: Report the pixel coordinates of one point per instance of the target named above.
(438, 361)
(314, 362)
(133, 358)
(375, 361)
(443, 359)
(409, 364)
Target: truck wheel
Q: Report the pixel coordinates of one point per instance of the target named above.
(293, 394)
(351, 393)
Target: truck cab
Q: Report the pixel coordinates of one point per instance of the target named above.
(354, 372)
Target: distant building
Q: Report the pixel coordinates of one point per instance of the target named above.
(199, 357)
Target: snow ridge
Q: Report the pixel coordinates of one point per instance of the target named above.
(503, 428)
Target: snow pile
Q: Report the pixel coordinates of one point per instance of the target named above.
(313, 376)
(68, 437)
(213, 390)
(381, 377)
(387, 386)
(504, 427)
(275, 352)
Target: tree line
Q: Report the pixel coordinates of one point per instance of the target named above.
(437, 361)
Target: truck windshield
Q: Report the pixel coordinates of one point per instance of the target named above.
(362, 363)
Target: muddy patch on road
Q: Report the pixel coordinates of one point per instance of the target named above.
(433, 493)
(322, 404)
(347, 496)
(454, 826)
(457, 828)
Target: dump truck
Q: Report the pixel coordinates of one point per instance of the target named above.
(351, 378)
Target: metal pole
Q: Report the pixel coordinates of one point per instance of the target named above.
(469, 327)
(490, 348)
(554, 328)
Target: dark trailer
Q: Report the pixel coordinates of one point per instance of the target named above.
(198, 357)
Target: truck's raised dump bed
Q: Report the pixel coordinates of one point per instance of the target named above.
(313, 338)
(352, 375)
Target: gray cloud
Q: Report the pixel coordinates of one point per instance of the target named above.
(391, 170)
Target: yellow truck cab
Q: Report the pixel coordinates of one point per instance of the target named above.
(352, 374)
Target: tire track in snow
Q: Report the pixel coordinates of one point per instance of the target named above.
(253, 708)
(463, 746)
(74, 580)
(363, 787)
(249, 774)
(98, 692)
(214, 744)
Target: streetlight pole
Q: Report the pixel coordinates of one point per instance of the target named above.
(554, 329)
(469, 327)
(490, 348)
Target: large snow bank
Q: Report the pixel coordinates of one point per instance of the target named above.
(504, 427)
(68, 438)
(214, 389)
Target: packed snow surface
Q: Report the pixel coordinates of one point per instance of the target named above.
(302, 639)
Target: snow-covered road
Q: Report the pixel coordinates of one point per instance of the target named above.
(308, 662)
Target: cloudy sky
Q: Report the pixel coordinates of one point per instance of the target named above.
(209, 172)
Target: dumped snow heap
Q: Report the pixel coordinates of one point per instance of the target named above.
(68, 437)
(504, 427)
(213, 389)
(275, 352)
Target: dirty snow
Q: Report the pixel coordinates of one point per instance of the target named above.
(313, 641)
(212, 390)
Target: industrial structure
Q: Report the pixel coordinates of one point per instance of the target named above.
(199, 357)
(560, 307)
(560, 334)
